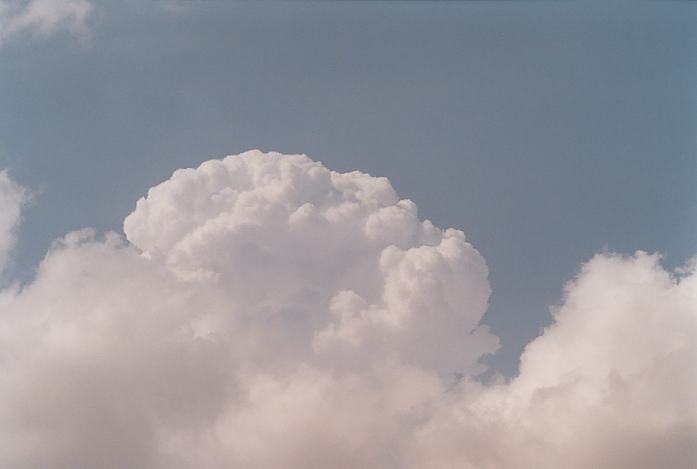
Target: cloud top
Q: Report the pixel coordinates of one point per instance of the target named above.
(353, 260)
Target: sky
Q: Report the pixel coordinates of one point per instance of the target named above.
(558, 137)
(547, 132)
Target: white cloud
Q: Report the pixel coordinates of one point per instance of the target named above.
(43, 18)
(266, 312)
(611, 384)
(12, 197)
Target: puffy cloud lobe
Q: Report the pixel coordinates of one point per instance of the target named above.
(12, 197)
(285, 235)
(267, 312)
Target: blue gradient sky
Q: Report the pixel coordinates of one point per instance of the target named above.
(547, 131)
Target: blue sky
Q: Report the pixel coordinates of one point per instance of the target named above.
(546, 131)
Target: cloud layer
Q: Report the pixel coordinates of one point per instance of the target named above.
(264, 312)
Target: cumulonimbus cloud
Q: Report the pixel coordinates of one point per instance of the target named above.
(264, 312)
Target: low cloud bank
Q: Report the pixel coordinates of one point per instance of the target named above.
(264, 312)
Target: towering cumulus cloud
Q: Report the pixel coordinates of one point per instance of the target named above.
(265, 312)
